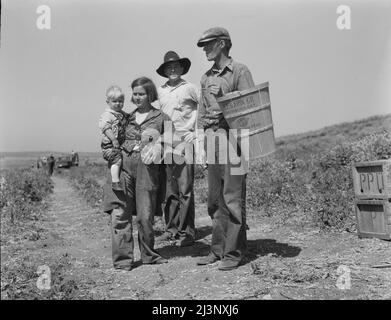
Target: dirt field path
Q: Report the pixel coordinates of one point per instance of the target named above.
(84, 234)
(283, 262)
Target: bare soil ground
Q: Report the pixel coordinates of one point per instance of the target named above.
(284, 262)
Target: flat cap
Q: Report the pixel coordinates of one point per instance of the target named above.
(212, 34)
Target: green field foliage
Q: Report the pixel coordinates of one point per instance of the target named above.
(22, 194)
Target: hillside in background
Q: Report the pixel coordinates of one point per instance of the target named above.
(303, 144)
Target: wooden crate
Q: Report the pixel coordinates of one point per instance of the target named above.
(372, 180)
(373, 218)
(250, 109)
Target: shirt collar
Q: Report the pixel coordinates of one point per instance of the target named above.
(151, 114)
(166, 85)
(228, 65)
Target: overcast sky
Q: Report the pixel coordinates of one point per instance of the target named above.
(53, 82)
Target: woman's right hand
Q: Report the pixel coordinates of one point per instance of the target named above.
(151, 153)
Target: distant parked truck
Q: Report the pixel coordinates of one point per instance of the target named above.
(68, 160)
(64, 162)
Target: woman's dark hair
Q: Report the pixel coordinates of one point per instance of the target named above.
(148, 86)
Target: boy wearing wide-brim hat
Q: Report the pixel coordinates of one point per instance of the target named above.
(226, 188)
(178, 100)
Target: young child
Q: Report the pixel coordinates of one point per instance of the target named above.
(112, 124)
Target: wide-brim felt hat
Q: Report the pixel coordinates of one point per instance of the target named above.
(212, 34)
(172, 56)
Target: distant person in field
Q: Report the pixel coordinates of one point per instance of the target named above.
(75, 158)
(226, 191)
(178, 100)
(42, 163)
(112, 125)
(51, 163)
(140, 180)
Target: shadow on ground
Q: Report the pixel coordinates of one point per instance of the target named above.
(264, 247)
(256, 248)
(170, 250)
(196, 250)
(200, 232)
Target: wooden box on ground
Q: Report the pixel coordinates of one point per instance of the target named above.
(372, 179)
(373, 218)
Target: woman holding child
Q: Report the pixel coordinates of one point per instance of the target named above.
(139, 180)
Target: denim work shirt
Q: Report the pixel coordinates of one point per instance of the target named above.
(234, 76)
(137, 135)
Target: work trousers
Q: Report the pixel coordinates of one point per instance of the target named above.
(227, 208)
(139, 198)
(179, 209)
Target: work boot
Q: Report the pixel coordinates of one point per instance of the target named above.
(228, 264)
(209, 259)
(124, 267)
(159, 260)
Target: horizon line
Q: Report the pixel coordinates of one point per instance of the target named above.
(277, 137)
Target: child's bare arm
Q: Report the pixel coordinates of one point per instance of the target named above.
(109, 133)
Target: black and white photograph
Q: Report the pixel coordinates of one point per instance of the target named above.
(195, 154)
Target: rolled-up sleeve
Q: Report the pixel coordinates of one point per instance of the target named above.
(201, 106)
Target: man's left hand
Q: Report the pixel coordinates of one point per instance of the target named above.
(151, 154)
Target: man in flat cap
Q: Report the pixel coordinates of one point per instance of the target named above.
(226, 191)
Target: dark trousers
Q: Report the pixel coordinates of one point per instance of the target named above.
(140, 200)
(179, 209)
(121, 231)
(227, 208)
